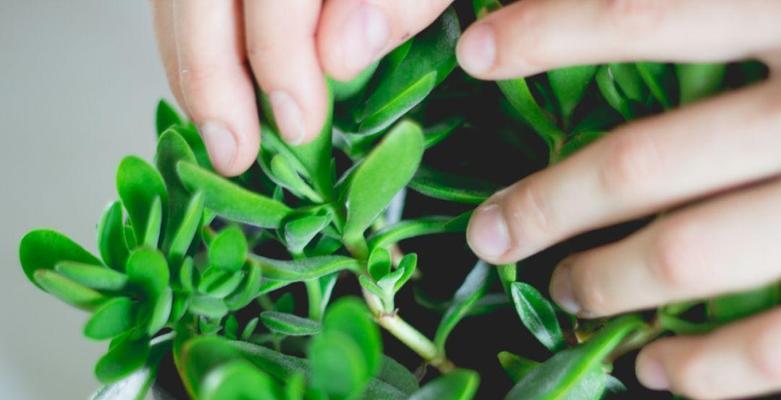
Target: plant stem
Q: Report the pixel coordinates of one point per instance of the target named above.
(315, 298)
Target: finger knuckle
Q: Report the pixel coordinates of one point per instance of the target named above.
(630, 164)
(674, 258)
(635, 16)
(529, 209)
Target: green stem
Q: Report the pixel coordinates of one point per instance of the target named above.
(315, 298)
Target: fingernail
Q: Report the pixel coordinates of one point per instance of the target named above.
(561, 288)
(220, 143)
(487, 233)
(288, 115)
(652, 375)
(476, 50)
(364, 36)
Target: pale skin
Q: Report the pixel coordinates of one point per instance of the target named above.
(712, 167)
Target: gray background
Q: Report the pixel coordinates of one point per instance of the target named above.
(79, 81)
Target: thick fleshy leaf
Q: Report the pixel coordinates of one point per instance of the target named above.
(455, 385)
(147, 271)
(122, 359)
(516, 367)
(43, 249)
(577, 373)
(160, 312)
(418, 227)
(228, 250)
(351, 317)
(136, 385)
(445, 186)
(697, 81)
(154, 225)
(629, 81)
(138, 185)
(286, 176)
(247, 291)
(208, 306)
(289, 324)
(111, 319)
(379, 263)
(92, 276)
(569, 85)
(655, 76)
(239, 380)
(387, 169)
(345, 89)
(172, 148)
(185, 233)
(230, 200)
(610, 91)
(249, 329)
(522, 101)
(473, 288)
(338, 367)
(304, 269)
(537, 315)
(432, 135)
(409, 79)
(397, 375)
(67, 290)
(166, 116)
(111, 237)
(300, 231)
(219, 283)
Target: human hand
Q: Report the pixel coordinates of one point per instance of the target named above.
(719, 158)
(212, 50)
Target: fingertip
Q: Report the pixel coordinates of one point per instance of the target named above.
(476, 50)
(488, 234)
(650, 371)
(229, 153)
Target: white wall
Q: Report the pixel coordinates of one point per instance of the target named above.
(78, 84)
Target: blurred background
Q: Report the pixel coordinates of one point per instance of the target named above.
(79, 81)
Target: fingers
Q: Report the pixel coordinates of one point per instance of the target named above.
(642, 167)
(355, 33)
(215, 83)
(725, 245)
(531, 36)
(163, 15)
(281, 49)
(741, 360)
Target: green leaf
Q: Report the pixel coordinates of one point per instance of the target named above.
(138, 184)
(67, 290)
(629, 80)
(232, 201)
(396, 280)
(516, 367)
(154, 224)
(697, 81)
(111, 237)
(351, 317)
(228, 250)
(387, 169)
(284, 175)
(610, 91)
(521, 99)
(147, 271)
(304, 269)
(402, 85)
(455, 385)
(569, 85)
(186, 275)
(470, 291)
(418, 227)
(239, 380)
(343, 90)
(576, 373)
(445, 186)
(92, 276)
(247, 291)
(432, 135)
(111, 319)
(220, 283)
(43, 249)
(122, 359)
(379, 263)
(172, 148)
(208, 307)
(231, 327)
(249, 329)
(338, 367)
(160, 312)
(166, 116)
(734, 306)
(579, 141)
(537, 315)
(185, 233)
(398, 376)
(655, 75)
(300, 231)
(136, 385)
(289, 324)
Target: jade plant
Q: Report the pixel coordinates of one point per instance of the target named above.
(285, 282)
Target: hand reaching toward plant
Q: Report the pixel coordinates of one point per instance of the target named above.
(214, 51)
(714, 165)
